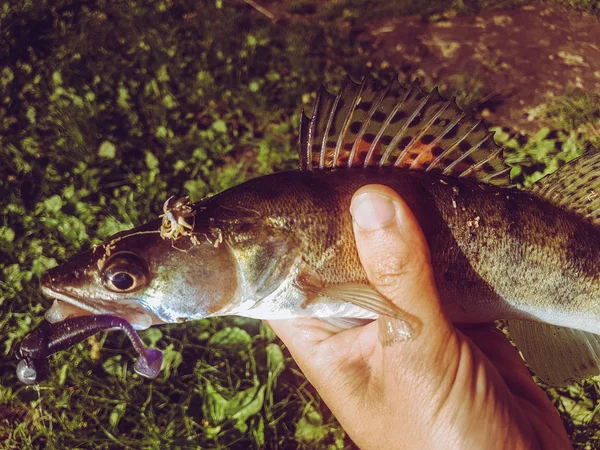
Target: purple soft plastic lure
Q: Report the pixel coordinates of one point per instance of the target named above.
(50, 338)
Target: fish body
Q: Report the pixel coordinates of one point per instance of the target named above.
(496, 253)
(282, 245)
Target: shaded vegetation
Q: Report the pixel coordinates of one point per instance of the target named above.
(430, 10)
(107, 108)
(589, 6)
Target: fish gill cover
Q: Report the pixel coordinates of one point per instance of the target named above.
(108, 109)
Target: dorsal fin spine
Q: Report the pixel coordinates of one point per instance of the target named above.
(467, 153)
(458, 141)
(340, 141)
(304, 151)
(499, 174)
(474, 167)
(426, 128)
(332, 112)
(365, 123)
(402, 130)
(452, 124)
(313, 124)
(385, 124)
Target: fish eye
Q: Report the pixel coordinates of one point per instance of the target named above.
(122, 280)
(125, 272)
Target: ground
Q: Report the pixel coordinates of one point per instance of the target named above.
(109, 108)
(519, 60)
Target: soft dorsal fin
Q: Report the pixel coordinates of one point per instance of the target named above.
(397, 126)
(574, 187)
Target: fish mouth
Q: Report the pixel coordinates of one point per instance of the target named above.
(66, 306)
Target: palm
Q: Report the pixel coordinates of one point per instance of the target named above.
(479, 388)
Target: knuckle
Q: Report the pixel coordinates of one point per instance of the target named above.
(392, 271)
(387, 275)
(386, 272)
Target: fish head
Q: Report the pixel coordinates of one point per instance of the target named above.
(146, 279)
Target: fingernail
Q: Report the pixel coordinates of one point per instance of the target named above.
(371, 210)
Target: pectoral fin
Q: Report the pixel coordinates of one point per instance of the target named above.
(363, 296)
(557, 355)
(344, 323)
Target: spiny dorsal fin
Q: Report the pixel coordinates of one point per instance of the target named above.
(397, 126)
(574, 187)
(557, 355)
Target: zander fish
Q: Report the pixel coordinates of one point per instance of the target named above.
(282, 246)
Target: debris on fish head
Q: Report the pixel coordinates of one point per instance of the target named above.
(146, 278)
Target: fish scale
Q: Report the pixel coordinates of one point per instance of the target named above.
(282, 245)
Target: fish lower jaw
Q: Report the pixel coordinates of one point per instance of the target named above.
(61, 310)
(65, 307)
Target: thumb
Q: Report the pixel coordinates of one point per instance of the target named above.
(395, 255)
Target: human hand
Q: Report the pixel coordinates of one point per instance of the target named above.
(445, 388)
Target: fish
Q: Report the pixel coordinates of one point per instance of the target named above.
(281, 246)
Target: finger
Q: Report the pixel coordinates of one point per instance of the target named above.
(506, 359)
(394, 253)
(325, 353)
(302, 332)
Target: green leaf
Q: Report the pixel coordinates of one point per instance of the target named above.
(197, 189)
(117, 414)
(114, 366)
(259, 432)
(230, 336)
(212, 432)
(267, 333)
(110, 226)
(23, 327)
(169, 102)
(251, 40)
(62, 374)
(7, 234)
(42, 264)
(107, 150)
(152, 336)
(310, 428)
(7, 76)
(214, 404)
(275, 361)
(162, 74)
(245, 404)
(151, 161)
(123, 98)
(73, 229)
(53, 204)
(219, 126)
(254, 86)
(172, 359)
(57, 78)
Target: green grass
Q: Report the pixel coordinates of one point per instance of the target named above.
(576, 128)
(577, 112)
(107, 108)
